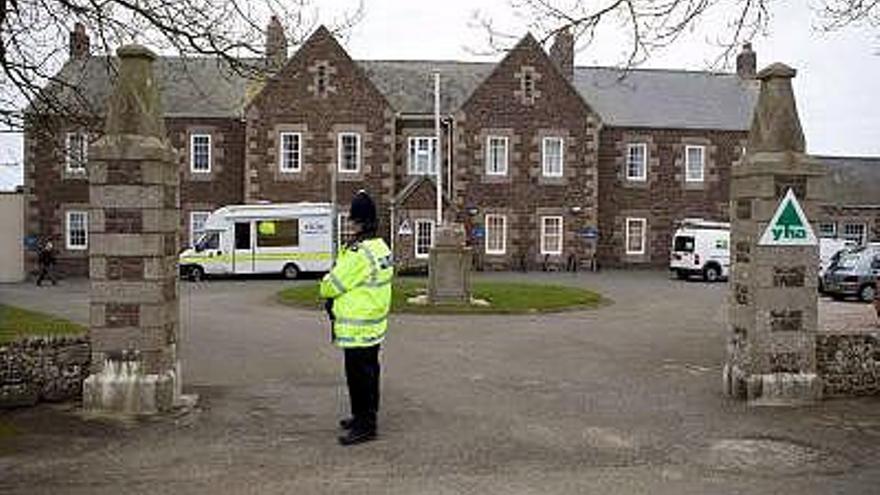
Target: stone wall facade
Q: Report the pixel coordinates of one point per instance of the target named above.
(321, 93)
(523, 101)
(52, 190)
(43, 369)
(664, 196)
(842, 217)
(305, 98)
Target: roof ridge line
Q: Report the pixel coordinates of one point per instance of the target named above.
(654, 69)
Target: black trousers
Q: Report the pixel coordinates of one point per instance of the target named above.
(362, 375)
(47, 271)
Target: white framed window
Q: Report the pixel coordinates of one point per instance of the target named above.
(422, 155)
(77, 230)
(344, 229)
(197, 225)
(553, 153)
(635, 235)
(694, 163)
(855, 232)
(637, 161)
(349, 152)
(551, 235)
(424, 237)
(76, 151)
(200, 153)
(496, 234)
(496, 155)
(290, 152)
(828, 229)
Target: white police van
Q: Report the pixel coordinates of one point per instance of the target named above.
(284, 238)
(701, 247)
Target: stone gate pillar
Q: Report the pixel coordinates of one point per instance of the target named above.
(133, 228)
(773, 285)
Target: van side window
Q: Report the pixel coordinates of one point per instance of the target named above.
(243, 235)
(278, 233)
(684, 244)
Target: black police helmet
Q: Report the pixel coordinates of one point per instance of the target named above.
(363, 211)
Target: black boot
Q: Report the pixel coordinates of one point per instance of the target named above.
(357, 435)
(346, 424)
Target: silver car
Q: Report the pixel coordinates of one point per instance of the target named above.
(854, 275)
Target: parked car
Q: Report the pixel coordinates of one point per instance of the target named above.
(701, 247)
(854, 275)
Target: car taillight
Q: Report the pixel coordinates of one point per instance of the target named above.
(696, 259)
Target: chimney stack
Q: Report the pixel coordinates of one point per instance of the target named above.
(746, 62)
(562, 53)
(276, 43)
(79, 42)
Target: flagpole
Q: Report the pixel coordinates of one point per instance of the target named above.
(437, 155)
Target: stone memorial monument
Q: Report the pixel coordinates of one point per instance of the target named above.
(774, 258)
(449, 267)
(133, 229)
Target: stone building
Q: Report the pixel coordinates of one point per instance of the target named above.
(537, 154)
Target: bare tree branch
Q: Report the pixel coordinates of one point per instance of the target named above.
(649, 25)
(37, 72)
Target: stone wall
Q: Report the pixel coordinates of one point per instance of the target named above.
(43, 369)
(849, 363)
(526, 99)
(51, 190)
(664, 197)
(320, 94)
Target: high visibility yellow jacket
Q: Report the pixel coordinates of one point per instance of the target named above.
(360, 284)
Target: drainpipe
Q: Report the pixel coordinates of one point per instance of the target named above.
(392, 229)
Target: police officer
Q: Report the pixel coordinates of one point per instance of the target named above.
(360, 289)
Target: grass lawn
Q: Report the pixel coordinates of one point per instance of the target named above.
(16, 323)
(504, 297)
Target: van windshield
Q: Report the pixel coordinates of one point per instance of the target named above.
(210, 240)
(683, 244)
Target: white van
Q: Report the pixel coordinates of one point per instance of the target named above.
(701, 247)
(284, 238)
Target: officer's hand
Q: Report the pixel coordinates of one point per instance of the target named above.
(328, 307)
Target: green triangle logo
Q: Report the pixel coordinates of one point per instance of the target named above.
(789, 225)
(789, 217)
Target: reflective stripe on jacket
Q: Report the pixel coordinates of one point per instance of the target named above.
(360, 284)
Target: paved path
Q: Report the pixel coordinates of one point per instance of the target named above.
(624, 399)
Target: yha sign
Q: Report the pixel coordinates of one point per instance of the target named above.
(789, 225)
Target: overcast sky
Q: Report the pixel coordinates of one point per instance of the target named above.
(836, 86)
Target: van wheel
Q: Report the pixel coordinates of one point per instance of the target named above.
(681, 274)
(867, 293)
(290, 271)
(196, 274)
(711, 273)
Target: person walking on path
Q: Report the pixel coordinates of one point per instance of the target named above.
(358, 293)
(46, 259)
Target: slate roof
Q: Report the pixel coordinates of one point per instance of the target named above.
(207, 87)
(190, 87)
(853, 181)
(409, 84)
(668, 98)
